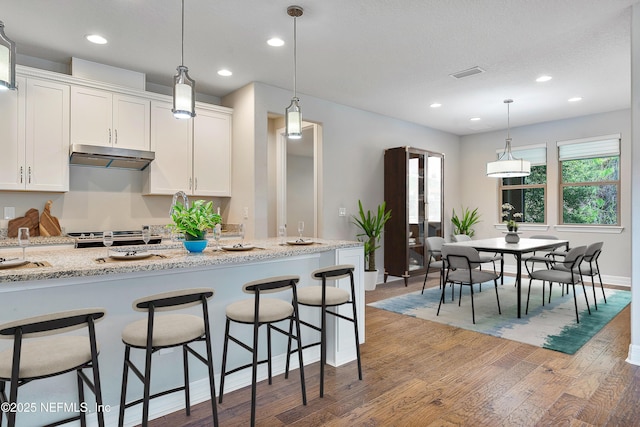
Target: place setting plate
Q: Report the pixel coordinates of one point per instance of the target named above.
(10, 263)
(300, 242)
(238, 247)
(131, 255)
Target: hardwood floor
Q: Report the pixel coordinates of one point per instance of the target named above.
(420, 373)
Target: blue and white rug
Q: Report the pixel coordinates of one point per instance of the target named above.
(552, 326)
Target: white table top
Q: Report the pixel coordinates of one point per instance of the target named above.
(498, 244)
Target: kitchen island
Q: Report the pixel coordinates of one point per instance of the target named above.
(75, 278)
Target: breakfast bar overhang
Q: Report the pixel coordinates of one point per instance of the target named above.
(76, 280)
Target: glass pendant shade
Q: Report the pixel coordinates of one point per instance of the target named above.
(294, 120)
(7, 61)
(184, 99)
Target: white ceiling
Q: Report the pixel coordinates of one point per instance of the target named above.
(391, 57)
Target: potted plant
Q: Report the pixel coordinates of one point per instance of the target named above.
(371, 227)
(194, 221)
(463, 224)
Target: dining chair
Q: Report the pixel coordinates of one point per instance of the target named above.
(590, 267)
(566, 272)
(435, 260)
(484, 259)
(537, 257)
(463, 268)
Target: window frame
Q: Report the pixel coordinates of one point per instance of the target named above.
(518, 153)
(562, 185)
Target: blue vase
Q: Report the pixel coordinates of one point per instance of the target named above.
(195, 245)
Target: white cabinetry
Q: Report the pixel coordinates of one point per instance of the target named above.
(191, 155)
(104, 118)
(35, 134)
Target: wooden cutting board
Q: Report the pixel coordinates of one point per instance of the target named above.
(31, 219)
(49, 224)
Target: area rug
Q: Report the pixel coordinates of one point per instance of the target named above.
(553, 326)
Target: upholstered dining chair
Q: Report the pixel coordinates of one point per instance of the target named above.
(537, 256)
(590, 267)
(434, 251)
(485, 259)
(463, 268)
(566, 272)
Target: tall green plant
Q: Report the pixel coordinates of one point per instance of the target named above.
(463, 224)
(372, 227)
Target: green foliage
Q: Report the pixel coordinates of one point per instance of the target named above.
(528, 200)
(196, 219)
(594, 199)
(372, 227)
(463, 224)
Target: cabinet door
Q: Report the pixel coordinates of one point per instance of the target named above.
(12, 172)
(170, 140)
(47, 136)
(91, 116)
(212, 153)
(131, 122)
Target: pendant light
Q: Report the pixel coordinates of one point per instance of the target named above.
(7, 61)
(184, 88)
(293, 115)
(508, 166)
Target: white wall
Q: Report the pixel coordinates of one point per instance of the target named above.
(479, 191)
(353, 150)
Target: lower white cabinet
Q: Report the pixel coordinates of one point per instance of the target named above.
(35, 134)
(191, 155)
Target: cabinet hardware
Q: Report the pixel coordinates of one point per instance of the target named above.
(109, 136)
(190, 182)
(196, 184)
(115, 131)
(29, 174)
(21, 175)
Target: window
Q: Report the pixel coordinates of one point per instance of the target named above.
(590, 180)
(527, 194)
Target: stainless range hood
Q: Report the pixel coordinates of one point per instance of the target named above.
(109, 157)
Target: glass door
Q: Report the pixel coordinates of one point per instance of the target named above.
(416, 202)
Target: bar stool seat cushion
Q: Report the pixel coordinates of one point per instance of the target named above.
(271, 310)
(168, 330)
(47, 356)
(312, 295)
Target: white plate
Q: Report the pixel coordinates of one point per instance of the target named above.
(238, 248)
(13, 263)
(125, 255)
(298, 242)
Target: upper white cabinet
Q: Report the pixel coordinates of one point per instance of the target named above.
(191, 155)
(211, 153)
(35, 134)
(109, 119)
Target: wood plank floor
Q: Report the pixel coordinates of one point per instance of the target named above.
(420, 373)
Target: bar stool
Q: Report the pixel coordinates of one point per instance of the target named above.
(257, 312)
(66, 353)
(324, 296)
(157, 332)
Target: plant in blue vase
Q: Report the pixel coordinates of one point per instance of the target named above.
(194, 221)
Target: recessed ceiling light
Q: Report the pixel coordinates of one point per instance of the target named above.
(96, 38)
(225, 73)
(543, 79)
(575, 99)
(435, 105)
(276, 42)
(474, 119)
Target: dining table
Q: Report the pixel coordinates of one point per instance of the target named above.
(523, 246)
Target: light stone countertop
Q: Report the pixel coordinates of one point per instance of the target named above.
(67, 261)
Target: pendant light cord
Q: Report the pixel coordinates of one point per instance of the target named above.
(295, 59)
(182, 54)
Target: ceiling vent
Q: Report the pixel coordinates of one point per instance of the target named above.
(466, 73)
